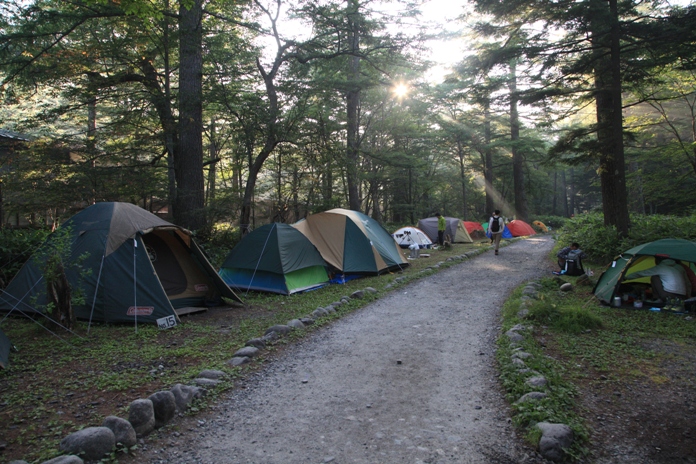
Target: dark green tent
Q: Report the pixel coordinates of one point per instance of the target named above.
(639, 258)
(140, 268)
(274, 258)
(5, 346)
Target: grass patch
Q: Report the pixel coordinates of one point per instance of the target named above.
(575, 341)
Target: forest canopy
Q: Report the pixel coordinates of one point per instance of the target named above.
(211, 112)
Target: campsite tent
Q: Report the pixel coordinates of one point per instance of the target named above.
(519, 228)
(407, 236)
(542, 227)
(454, 228)
(640, 258)
(140, 268)
(506, 231)
(4, 349)
(274, 258)
(351, 242)
(474, 229)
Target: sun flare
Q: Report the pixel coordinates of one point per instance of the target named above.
(400, 90)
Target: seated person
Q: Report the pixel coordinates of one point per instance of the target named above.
(571, 253)
(690, 275)
(668, 279)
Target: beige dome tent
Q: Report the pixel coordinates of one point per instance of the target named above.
(454, 228)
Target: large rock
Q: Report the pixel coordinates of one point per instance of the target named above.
(278, 329)
(204, 382)
(296, 324)
(531, 396)
(212, 374)
(238, 361)
(184, 395)
(141, 415)
(92, 443)
(538, 381)
(256, 343)
(555, 438)
(124, 433)
(66, 459)
(248, 351)
(164, 404)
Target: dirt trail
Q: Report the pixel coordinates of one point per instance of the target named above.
(409, 378)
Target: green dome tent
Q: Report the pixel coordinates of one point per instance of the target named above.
(274, 258)
(639, 258)
(5, 346)
(352, 243)
(141, 268)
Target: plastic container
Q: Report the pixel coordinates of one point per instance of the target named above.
(617, 301)
(637, 304)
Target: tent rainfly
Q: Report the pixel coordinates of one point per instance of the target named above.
(506, 231)
(5, 346)
(407, 236)
(640, 258)
(474, 229)
(274, 258)
(352, 243)
(141, 268)
(453, 227)
(519, 228)
(542, 227)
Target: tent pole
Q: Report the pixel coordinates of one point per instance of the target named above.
(96, 290)
(135, 284)
(259, 261)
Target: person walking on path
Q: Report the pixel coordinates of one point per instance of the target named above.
(496, 225)
(441, 226)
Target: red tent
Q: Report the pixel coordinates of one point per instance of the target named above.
(520, 228)
(474, 229)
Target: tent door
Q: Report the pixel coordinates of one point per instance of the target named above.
(167, 267)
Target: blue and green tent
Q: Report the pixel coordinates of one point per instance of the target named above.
(274, 258)
(131, 266)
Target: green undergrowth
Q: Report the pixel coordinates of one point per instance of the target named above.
(60, 382)
(574, 341)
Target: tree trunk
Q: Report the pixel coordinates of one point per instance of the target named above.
(352, 109)
(521, 210)
(268, 147)
(488, 159)
(607, 73)
(462, 176)
(189, 210)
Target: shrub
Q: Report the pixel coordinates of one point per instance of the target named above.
(16, 246)
(602, 243)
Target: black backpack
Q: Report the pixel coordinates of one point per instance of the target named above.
(495, 225)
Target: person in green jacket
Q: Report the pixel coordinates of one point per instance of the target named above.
(441, 226)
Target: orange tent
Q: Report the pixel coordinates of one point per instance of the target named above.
(474, 229)
(541, 226)
(520, 228)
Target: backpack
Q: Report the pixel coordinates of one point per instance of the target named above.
(495, 225)
(573, 267)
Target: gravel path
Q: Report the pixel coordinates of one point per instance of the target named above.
(409, 378)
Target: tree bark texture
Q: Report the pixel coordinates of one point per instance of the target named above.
(190, 201)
